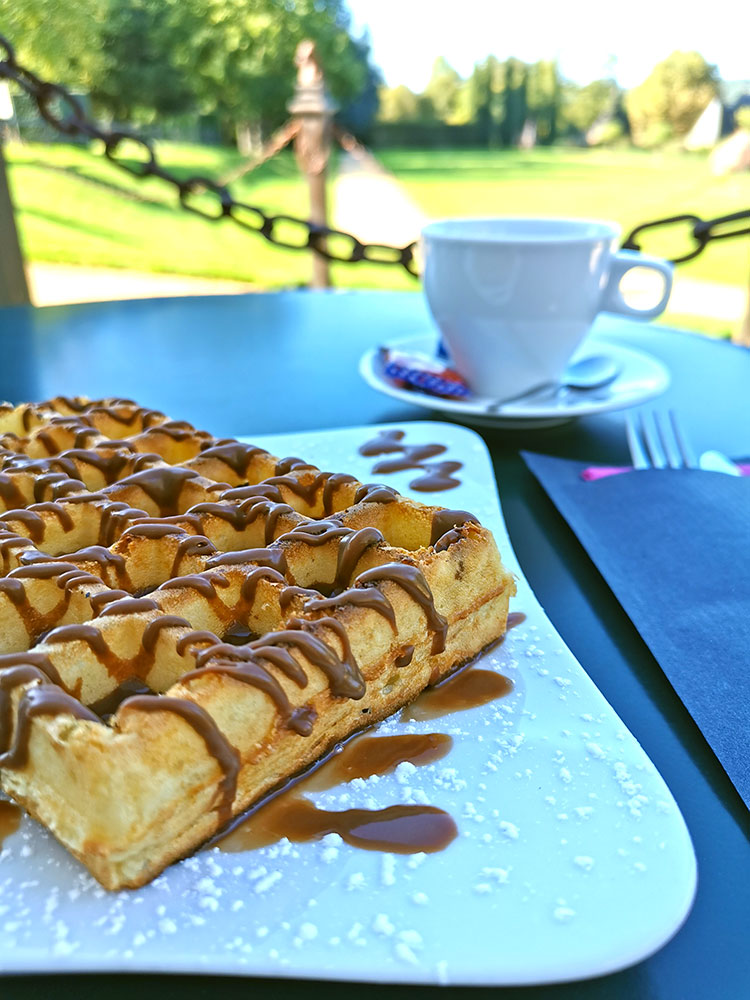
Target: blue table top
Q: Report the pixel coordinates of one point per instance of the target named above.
(256, 364)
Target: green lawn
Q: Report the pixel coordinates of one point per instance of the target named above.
(628, 186)
(75, 207)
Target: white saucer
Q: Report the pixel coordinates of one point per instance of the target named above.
(641, 378)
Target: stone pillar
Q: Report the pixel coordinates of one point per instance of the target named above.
(312, 107)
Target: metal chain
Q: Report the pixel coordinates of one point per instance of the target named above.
(71, 120)
(701, 231)
(333, 244)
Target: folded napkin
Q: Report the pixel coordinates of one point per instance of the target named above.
(674, 546)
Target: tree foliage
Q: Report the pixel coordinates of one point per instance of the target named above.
(230, 58)
(56, 40)
(138, 77)
(398, 104)
(670, 99)
(582, 106)
(442, 91)
(239, 54)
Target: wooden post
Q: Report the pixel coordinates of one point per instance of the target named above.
(314, 110)
(13, 288)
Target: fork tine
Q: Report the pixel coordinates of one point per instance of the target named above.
(652, 438)
(637, 454)
(686, 450)
(668, 439)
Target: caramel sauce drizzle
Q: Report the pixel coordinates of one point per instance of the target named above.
(236, 455)
(386, 442)
(299, 720)
(248, 511)
(162, 485)
(10, 494)
(445, 522)
(250, 583)
(9, 542)
(273, 557)
(32, 658)
(291, 464)
(246, 492)
(129, 606)
(68, 576)
(204, 584)
(436, 476)
(412, 457)
(315, 532)
(342, 672)
(375, 493)
(412, 580)
(46, 699)
(350, 551)
(216, 742)
(33, 523)
(365, 597)
(153, 629)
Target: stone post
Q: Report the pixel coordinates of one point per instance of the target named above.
(312, 107)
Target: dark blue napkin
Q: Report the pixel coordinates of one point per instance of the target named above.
(674, 546)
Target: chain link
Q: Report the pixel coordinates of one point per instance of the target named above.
(333, 244)
(199, 195)
(701, 231)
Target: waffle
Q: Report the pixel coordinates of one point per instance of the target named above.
(186, 622)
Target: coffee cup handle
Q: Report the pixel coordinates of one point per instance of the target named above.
(622, 262)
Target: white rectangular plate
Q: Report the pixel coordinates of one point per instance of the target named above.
(572, 858)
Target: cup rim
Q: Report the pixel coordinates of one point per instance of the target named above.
(605, 229)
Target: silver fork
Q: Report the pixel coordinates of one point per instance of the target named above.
(656, 440)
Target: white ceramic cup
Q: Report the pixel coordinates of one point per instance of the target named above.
(513, 298)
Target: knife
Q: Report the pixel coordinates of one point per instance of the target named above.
(715, 461)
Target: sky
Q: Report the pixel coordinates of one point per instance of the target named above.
(590, 40)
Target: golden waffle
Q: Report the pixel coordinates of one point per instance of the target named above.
(186, 622)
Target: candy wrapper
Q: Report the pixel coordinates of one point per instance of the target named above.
(418, 371)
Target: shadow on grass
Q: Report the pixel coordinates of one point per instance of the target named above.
(280, 168)
(78, 174)
(82, 226)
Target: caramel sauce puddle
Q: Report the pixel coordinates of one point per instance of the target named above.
(10, 819)
(400, 829)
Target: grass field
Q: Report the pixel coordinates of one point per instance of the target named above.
(75, 207)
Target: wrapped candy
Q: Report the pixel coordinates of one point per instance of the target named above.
(419, 371)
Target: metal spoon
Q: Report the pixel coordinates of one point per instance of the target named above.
(592, 372)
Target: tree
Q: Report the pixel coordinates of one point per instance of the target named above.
(239, 54)
(582, 106)
(137, 79)
(59, 41)
(543, 98)
(398, 104)
(486, 99)
(359, 114)
(443, 90)
(671, 98)
(516, 104)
